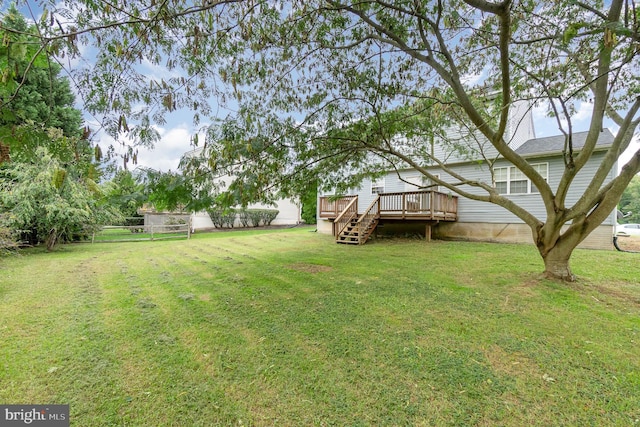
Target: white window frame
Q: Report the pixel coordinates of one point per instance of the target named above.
(377, 185)
(536, 166)
(510, 175)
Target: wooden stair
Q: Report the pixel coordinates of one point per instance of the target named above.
(356, 234)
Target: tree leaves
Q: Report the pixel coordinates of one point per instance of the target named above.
(47, 202)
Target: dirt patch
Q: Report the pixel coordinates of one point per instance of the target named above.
(618, 294)
(310, 268)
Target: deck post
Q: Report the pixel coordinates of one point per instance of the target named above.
(432, 199)
(427, 233)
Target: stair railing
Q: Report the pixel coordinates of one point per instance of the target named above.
(345, 218)
(367, 218)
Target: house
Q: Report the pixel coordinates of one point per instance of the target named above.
(398, 200)
(289, 211)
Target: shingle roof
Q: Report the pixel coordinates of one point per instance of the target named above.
(555, 144)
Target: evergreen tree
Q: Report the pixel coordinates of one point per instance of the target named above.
(35, 98)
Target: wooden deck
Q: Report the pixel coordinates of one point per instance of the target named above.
(352, 226)
(413, 205)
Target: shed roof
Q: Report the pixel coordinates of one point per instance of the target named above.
(555, 144)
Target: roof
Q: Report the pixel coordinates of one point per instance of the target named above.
(555, 144)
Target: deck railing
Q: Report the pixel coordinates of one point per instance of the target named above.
(368, 218)
(331, 208)
(346, 217)
(444, 204)
(431, 204)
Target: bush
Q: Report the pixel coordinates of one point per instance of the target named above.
(247, 217)
(268, 215)
(309, 201)
(221, 218)
(131, 221)
(51, 204)
(254, 217)
(244, 218)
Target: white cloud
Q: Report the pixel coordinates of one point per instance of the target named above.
(165, 155)
(472, 79)
(584, 112)
(548, 126)
(167, 152)
(157, 72)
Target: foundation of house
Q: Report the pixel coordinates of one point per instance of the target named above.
(600, 238)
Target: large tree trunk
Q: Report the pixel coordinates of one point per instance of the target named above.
(556, 263)
(556, 246)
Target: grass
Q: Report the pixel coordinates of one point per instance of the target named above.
(287, 328)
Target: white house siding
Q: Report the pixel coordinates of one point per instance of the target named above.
(520, 126)
(480, 147)
(519, 130)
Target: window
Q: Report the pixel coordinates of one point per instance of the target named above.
(377, 186)
(543, 170)
(518, 182)
(511, 180)
(502, 179)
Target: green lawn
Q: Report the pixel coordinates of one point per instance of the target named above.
(288, 328)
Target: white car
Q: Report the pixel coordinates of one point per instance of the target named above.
(628, 230)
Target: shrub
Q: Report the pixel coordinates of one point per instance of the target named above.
(247, 217)
(309, 201)
(216, 218)
(268, 215)
(254, 217)
(51, 204)
(221, 218)
(244, 218)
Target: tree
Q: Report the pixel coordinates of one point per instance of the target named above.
(36, 102)
(301, 76)
(33, 94)
(175, 191)
(47, 170)
(125, 192)
(309, 201)
(46, 202)
(630, 201)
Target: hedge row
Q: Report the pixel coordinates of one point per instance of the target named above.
(246, 217)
